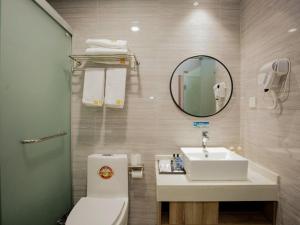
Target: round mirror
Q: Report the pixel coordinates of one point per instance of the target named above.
(201, 86)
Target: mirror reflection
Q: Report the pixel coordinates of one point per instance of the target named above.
(201, 86)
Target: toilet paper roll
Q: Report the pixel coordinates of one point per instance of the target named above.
(137, 174)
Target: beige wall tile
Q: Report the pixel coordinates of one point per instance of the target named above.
(268, 138)
(171, 30)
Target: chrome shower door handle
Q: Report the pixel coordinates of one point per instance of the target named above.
(38, 140)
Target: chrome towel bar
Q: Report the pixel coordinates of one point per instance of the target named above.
(37, 140)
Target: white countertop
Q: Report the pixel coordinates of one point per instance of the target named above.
(262, 185)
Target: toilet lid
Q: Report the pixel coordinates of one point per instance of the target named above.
(96, 211)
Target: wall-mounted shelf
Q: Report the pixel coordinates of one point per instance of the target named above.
(118, 60)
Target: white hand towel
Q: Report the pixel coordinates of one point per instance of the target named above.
(165, 166)
(93, 89)
(115, 87)
(105, 51)
(107, 43)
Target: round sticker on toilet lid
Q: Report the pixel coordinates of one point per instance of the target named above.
(105, 172)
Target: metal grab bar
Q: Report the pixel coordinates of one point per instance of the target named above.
(37, 140)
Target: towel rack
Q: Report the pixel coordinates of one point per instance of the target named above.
(37, 140)
(127, 60)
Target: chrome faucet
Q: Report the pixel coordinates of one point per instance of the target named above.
(204, 142)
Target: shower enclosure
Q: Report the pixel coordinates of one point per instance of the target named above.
(34, 115)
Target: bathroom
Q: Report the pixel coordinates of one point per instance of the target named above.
(40, 185)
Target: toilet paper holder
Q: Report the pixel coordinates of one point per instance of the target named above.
(132, 168)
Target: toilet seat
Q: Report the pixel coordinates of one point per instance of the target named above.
(97, 211)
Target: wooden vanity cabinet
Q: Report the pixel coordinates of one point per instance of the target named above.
(216, 213)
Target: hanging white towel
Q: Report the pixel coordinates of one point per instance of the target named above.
(105, 51)
(93, 89)
(115, 87)
(107, 43)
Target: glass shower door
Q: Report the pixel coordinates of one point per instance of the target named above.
(198, 93)
(35, 102)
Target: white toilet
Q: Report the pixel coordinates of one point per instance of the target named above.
(107, 192)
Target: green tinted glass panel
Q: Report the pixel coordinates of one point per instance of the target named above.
(35, 102)
(199, 96)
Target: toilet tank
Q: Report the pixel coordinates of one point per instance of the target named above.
(107, 175)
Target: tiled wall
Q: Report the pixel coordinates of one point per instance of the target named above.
(269, 138)
(171, 30)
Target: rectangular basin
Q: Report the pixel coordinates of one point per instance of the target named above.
(220, 164)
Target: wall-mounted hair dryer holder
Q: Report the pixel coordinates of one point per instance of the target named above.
(270, 78)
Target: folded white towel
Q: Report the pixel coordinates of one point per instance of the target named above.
(105, 51)
(115, 87)
(165, 166)
(107, 43)
(93, 89)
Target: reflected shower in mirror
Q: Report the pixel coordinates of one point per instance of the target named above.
(201, 86)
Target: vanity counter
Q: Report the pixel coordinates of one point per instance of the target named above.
(262, 185)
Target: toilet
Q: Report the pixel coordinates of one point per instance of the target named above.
(107, 192)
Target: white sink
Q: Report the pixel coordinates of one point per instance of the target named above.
(220, 164)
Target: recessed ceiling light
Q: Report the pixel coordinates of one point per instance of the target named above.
(135, 29)
(292, 30)
(151, 97)
(196, 4)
